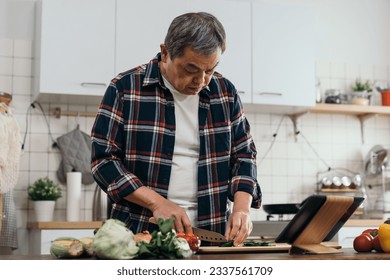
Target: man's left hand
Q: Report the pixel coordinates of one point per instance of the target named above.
(240, 224)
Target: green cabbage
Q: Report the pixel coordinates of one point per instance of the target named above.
(114, 241)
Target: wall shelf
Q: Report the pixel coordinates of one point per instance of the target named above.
(361, 112)
(346, 109)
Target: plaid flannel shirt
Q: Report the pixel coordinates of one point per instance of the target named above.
(133, 141)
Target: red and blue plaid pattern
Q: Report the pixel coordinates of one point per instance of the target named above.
(133, 140)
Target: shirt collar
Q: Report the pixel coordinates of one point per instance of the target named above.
(153, 74)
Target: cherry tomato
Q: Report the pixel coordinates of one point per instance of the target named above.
(376, 244)
(192, 240)
(363, 243)
(180, 234)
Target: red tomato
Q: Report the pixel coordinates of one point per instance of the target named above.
(376, 244)
(363, 243)
(192, 240)
(372, 231)
(369, 235)
(180, 234)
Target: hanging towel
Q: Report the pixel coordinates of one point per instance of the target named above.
(10, 151)
(75, 147)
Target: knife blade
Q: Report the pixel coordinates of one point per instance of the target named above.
(207, 235)
(203, 234)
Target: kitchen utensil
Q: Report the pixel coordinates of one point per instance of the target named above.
(207, 235)
(374, 160)
(203, 234)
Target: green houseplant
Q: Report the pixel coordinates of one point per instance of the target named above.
(361, 92)
(44, 189)
(359, 86)
(44, 193)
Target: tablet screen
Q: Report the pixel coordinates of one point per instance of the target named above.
(307, 211)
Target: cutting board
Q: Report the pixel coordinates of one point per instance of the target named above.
(276, 247)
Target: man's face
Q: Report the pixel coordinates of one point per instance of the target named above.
(189, 73)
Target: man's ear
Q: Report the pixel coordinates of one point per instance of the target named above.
(164, 53)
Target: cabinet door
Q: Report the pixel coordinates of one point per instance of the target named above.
(283, 55)
(142, 26)
(77, 46)
(236, 62)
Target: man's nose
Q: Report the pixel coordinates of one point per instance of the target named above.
(200, 78)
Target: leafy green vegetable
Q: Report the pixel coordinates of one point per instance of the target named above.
(253, 243)
(114, 241)
(164, 243)
(248, 244)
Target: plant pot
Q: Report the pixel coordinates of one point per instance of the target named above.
(44, 210)
(360, 101)
(360, 98)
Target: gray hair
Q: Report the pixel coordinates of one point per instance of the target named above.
(202, 32)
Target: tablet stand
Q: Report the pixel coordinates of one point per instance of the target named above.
(320, 225)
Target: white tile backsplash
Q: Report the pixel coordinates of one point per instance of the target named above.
(22, 48)
(5, 66)
(6, 47)
(22, 85)
(22, 66)
(6, 83)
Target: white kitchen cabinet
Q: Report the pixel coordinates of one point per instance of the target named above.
(142, 26)
(75, 48)
(283, 55)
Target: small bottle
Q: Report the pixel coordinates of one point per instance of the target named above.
(318, 91)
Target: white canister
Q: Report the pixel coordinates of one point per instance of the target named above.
(73, 196)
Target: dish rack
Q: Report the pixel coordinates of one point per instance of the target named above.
(338, 180)
(342, 182)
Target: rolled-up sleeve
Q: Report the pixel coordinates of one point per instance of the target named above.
(108, 149)
(243, 157)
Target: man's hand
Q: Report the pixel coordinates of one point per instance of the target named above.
(161, 208)
(240, 225)
(167, 209)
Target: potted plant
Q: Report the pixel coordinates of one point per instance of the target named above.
(44, 193)
(361, 92)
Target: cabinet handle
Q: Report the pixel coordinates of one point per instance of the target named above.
(241, 92)
(93, 84)
(270, 93)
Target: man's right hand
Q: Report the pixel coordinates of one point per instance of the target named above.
(161, 208)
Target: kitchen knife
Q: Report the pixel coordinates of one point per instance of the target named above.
(207, 235)
(203, 234)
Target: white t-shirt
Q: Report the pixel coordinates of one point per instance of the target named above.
(183, 184)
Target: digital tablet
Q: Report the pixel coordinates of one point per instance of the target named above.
(308, 211)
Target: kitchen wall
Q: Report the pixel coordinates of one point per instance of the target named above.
(353, 41)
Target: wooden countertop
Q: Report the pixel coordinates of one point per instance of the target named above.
(347, 254)
(363, 223)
